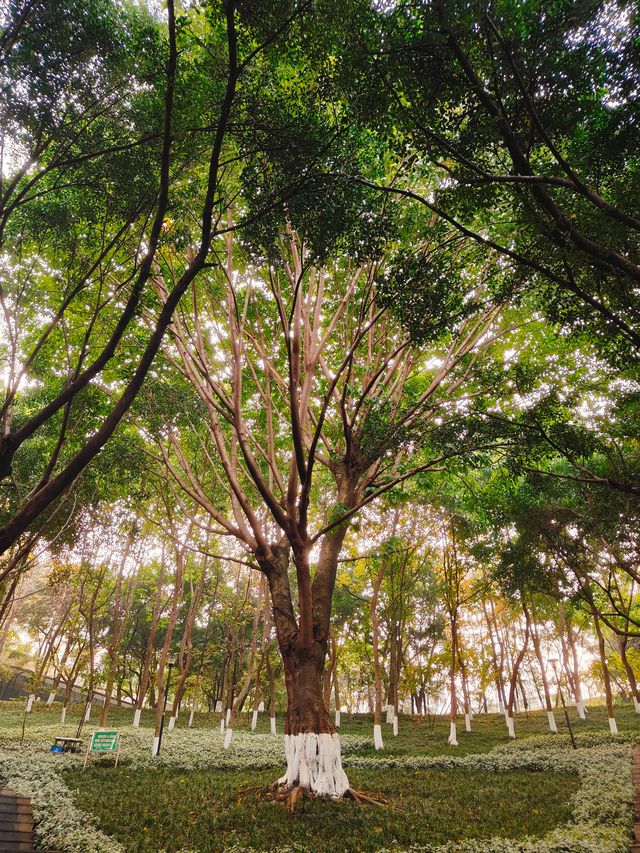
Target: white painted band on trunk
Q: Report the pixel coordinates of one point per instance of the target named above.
(390, 714)
(613, 726)
(274, 730)
(453, 737)
(63, 716)
(636, 705)
(337, 718)
(221, 724)
(254, 721)
(511, 728)
(52, 697)
(30, 703)
(172, 722)
(227, 738)
(552, 722)
(467, 722)
(501, 706)
(582, 711)
(261, 707)
(218, 708)
(87, 713)
(228, 716)
(156, 744)
(314, 761)
(377, 737)
(395, 726)
(193, 710)
(136, 718)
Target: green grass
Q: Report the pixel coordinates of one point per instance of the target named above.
(210, 811)
(416, 737)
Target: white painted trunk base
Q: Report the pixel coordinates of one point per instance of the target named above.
(452, 740)
(254, 721)
(314, 761)
(87, 713)
(63, 716)
(136, 718)
(467, 722)
(377, 737)
(511, 727)
(218, 707)
(261, 707)
(390, 714)
(337, 718)
(221, 724)
(274, 730)
(636, 705)
(172, 723)
(227, 738)
(156, 744)
(395, 727)
(613, 726)
(228, 717)
(193, 710)
(500, 706)
(552, 722)
(582, 711)
(29, 705)
(52, 698)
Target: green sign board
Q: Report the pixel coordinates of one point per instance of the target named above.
(102, 741)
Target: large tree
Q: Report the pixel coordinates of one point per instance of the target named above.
(312, 403)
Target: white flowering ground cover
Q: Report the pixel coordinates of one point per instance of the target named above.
(600, 809)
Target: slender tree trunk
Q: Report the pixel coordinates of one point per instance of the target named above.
(514, 677)
(143, 684)
(566, 625)
(453, 695)
(377, 664)
(606, 677)
(535, 637)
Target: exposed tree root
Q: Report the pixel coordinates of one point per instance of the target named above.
(363, 799)
(291, 797)
(297, 793)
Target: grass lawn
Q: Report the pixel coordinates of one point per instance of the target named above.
(210, 811)
(220, 803)
(426, 736)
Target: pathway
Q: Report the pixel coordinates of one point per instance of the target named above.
(16, 823)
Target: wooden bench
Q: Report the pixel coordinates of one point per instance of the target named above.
(68, 744)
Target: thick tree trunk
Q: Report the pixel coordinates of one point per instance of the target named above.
(312, 746)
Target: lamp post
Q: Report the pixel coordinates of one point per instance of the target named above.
(554, 662)
(171, 662)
